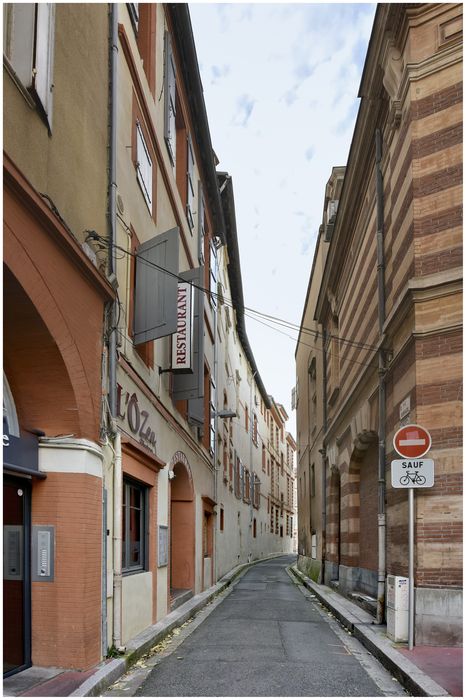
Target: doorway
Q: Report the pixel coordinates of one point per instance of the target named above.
(16, 575)
(182, 530)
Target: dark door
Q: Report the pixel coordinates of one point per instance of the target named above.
(16, 575)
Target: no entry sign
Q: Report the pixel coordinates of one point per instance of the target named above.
(412, 441)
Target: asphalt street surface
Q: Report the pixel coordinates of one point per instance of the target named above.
(266, 637)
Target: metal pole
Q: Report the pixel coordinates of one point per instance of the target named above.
(411, 570)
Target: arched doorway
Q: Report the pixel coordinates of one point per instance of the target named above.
(182, 529)
(362, 510)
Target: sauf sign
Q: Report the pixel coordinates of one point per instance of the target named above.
(182, 340)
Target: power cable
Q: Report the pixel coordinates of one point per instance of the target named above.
(230, 303)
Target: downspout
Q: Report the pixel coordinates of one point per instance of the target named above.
(323, 452)
(381, 370)
(117, 471)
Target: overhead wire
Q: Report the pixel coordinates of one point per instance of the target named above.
(249, 312)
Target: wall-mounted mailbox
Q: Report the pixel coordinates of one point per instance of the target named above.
(43, 546)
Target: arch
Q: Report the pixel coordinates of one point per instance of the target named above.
(359, 511)
(182, 526)
(62, 327)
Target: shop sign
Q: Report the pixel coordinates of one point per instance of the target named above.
(22, 452)
(182, 340)
(136, 418)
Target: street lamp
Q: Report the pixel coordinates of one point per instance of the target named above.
(225, 413)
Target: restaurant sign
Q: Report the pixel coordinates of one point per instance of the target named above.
(136, 418)
(182, 340)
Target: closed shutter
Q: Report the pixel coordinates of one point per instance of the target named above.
(191, 386)
(190, 184)
(196, 412)
(156, 292)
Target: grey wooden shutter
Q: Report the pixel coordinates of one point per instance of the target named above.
(170, 99)
(156, 292)
(191, 386)
(196, 412)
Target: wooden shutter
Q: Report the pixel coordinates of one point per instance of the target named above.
(200, 223)
(170, 99)
(191, 386)
(156, 291)
(43, 63)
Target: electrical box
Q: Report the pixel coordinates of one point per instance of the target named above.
(397, 608)
(42, 556)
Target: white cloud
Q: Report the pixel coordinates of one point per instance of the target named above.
(281, 117)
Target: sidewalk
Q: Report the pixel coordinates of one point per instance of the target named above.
(424, 671)
(60, 682)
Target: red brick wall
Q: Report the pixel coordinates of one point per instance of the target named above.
(368, 505)
(66, 613)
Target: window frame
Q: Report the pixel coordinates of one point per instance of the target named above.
(129, 483)
(147, 167)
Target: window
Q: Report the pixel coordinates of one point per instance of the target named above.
(201, 225)
(213, 275)
(190, 185)
(212, 418)
(133, 9)
(134, 526)
(256, 491)
(170, 99)
(313, 546)
(143, 166)
(247, 486)
(246, 418)
(222, 519)
(264, 458)
(313, 480)
(28, 44)
(254, 429)
(254, 528)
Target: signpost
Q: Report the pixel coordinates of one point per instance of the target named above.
(412, 442)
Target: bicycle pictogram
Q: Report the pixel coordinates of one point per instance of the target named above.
(412, 478)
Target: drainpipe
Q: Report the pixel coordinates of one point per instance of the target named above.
(117, 542)
(381, 371)
(323, 452)
(112, 265)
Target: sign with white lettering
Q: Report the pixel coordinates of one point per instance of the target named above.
(412, 441)
(182, 340)
(412, 473)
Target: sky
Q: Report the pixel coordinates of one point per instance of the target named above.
(280, 86)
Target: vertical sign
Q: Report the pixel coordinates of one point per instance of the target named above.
(182, 340)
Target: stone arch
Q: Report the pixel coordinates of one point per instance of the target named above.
(182, 525)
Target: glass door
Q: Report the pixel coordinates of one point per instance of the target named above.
(16, 575)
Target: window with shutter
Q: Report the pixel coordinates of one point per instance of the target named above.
(156, 288)
(201, 223)
(190, 185)
(170, 99)
(144, 167)
(28, 44)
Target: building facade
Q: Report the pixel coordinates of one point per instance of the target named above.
(383, 319)
(55, 186)
(122, 353)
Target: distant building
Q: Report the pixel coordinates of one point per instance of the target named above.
(380, 341)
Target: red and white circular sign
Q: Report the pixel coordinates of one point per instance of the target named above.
(412, 441)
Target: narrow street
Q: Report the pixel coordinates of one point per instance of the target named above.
(263, 638)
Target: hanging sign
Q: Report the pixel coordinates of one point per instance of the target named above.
(182, 340)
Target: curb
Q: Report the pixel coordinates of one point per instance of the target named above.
(410, 676)
(108, 672)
